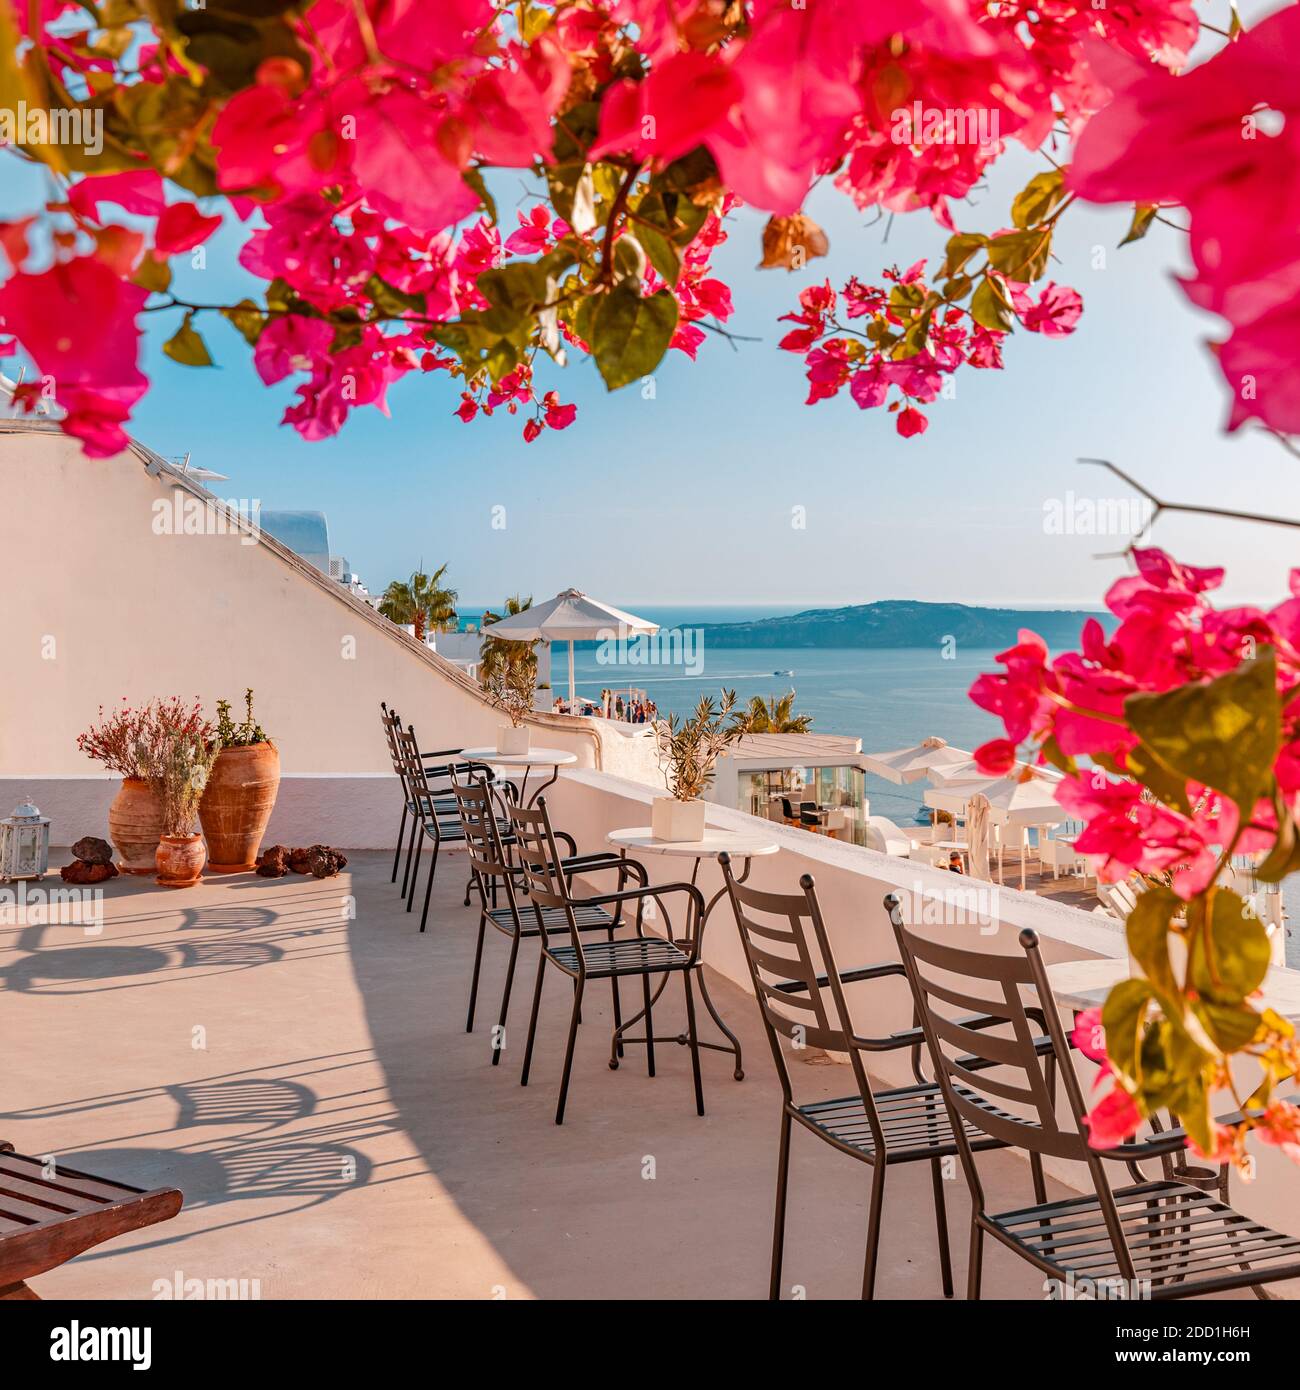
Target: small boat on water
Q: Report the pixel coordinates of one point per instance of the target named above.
(783, 673)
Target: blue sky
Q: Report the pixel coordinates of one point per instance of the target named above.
(688, 498)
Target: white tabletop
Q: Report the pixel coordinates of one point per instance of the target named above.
(714, 843)
(1084, 984)
(535, 757)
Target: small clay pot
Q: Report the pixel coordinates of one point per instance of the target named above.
(180, 860)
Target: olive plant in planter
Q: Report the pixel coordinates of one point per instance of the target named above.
(509, 686)
(688, 754)
(178, 774)
(241, 791)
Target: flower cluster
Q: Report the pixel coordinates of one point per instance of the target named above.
(357, 143)
(904, 337)
(1179, 734)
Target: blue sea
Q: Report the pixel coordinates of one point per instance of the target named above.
(889, 699)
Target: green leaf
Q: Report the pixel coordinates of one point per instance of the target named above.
(1021, 256)
(186, 347)
(515, 292)
(1232, 1026)
(153, 275)
(663, 255)
(474, 178)
(1123, 1016)
(248, 318)
(629, 334)
(1038, 197)
(989, 306)
(1228, 953)
(1142, 765)
(394, 302)
(1225, 733)
(1147, 930)
(959, 250)
(1143, 216)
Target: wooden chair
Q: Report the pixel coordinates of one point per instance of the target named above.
(45, 1221)
(784, 935)
(1160, 1240)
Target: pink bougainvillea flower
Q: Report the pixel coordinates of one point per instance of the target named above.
(137, 191)
(534, 234)
(77, 320)
(532, 428)
(679, 105)
(181, 228)
(911, 422)
(1056, 312)
(290, 343)
(996, 757)
(1090, 1038)
(558, 417)
(510, 107)
(1280, 1126)
(1112, 1119)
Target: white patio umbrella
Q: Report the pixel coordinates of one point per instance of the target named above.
(1011, 803)
(571, 616)
(968, 770)
(912, 764)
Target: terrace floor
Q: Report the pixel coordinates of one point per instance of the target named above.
(291, 1054)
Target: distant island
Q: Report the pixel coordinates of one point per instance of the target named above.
(904, 623)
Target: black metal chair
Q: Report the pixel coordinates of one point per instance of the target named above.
(435, 814)
(1159, 1239)
(491, 869)
(903, 1124)
(548, 891)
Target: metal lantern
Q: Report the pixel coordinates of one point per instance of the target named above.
(24, 844)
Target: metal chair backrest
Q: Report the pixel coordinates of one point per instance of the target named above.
(950, 980)
(478, 818)
(392, 732)
(539, 868)
(780, 932)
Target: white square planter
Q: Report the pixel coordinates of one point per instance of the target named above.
(674, 821)
(512, 740)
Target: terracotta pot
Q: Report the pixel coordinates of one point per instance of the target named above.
(236, 805)
(135, 826)
(180, 860)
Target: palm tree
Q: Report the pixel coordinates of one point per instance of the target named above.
(496, 654)
(773, 716)
(422, 601)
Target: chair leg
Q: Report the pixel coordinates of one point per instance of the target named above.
(778, 1223)
(568, 1051)
(532, 1021)
(618, 1009)
(976, 1264)
(1040, 1187)
(428, 887)
(649, 1028)
(410, 846)
(499, 1041)
(873, 1229)
(413, 870)
(401, 835)
(693, 1042)
(941, 1218)
(473, 984)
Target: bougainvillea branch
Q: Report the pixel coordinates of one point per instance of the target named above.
(353, 146)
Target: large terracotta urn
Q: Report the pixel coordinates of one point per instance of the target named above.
(237, 803)
(179, 861)
(135, 826)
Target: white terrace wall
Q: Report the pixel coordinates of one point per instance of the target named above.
(851, 886)
(96, 606)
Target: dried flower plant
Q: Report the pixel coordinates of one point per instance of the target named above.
(178, 778)
(689, 749)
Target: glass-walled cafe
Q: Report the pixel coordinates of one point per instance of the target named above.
(812, 781)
